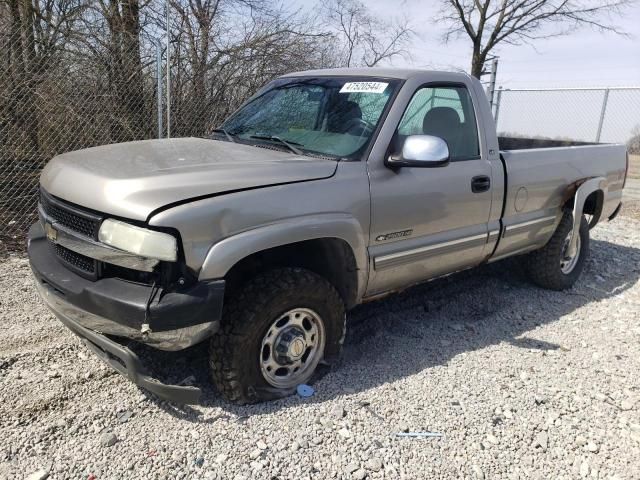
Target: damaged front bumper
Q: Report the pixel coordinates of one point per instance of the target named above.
(111, 307)
(119, 357)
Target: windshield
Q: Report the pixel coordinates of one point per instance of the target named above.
(327, 116)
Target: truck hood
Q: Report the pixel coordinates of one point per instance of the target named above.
(132, 180)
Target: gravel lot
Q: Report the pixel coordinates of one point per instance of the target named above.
(522, 383)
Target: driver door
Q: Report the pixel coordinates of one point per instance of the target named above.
(427, 222)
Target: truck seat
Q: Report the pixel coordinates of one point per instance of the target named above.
(443, 122)
(341, 117)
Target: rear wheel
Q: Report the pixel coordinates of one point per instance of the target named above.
(275, 332)
(551, 266)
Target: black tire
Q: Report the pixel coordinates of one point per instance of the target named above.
(235, 350)
(543, 265)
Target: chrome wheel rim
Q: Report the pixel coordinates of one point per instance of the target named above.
(292, 347)
(567, 262)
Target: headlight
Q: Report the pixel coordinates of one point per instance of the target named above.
(141, 241)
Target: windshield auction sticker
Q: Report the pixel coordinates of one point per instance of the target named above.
(363, 87)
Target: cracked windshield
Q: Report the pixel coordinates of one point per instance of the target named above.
(332, 117)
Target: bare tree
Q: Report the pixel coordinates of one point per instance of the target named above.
(80, 73)
(363, 39)
(489, 23)
(125, 67)
(37, 32)
(224, 50)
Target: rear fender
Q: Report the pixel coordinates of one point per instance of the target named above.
(225, 254)
(586, 188)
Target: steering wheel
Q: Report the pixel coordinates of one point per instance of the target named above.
(358, 127)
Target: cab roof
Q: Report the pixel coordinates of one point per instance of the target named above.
(399, 73)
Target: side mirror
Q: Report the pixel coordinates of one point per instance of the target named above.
(425, 151)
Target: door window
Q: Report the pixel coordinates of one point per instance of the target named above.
(445, 112)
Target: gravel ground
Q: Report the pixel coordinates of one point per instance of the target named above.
(630, 207)
(521, 382)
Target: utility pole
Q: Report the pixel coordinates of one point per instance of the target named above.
(491, 88)
(168, 73)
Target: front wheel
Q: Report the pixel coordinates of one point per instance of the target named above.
(551, 267)
(275, 332)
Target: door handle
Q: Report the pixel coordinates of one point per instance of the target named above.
(481, 183)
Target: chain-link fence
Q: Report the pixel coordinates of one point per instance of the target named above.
(49, 110)
(76, 74)
(608, 115)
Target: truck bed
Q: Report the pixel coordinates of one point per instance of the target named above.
(539, 175)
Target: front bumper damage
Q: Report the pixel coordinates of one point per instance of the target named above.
(119, 357)
(108, 311)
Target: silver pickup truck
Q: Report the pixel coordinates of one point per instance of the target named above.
(326, 189)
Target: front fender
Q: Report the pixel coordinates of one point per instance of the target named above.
(223, 255)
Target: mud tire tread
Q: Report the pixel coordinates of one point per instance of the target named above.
(543, 265)
(242, 316)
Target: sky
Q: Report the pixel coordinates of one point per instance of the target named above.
(585, 58)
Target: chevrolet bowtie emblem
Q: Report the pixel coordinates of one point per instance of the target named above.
(52, 233)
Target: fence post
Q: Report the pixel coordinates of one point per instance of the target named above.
(602, 112)
(168, 73)
(159, 85)
(491, 88)
(495, 115)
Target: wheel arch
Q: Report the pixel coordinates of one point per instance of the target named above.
(333, 246)
(584, 189)
(592, 195)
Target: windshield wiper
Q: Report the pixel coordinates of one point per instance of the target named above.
(226, 134)
(287, 143)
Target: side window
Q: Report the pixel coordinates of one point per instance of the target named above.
(445, 112)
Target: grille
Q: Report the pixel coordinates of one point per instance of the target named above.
(80, 262)
(84, 223)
